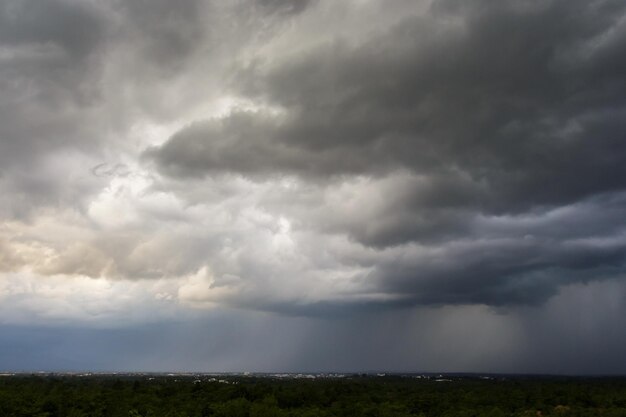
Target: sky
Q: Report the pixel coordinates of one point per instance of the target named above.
(313, 185)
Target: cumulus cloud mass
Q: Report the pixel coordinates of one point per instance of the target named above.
(325, 180)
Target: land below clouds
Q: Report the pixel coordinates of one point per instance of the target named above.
(308, 394)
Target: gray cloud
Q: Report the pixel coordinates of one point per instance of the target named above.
(511, 96)
(422, 154)
(49, 72)
(76, 27)
(489, 134)
(425, 185)
(167, 33)
(285, 6)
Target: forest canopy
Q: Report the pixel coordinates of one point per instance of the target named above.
(357, 395)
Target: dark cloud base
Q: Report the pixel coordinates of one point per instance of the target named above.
(507, 113)
(313, 185)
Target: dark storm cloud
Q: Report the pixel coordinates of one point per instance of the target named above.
(501, 114)
(76, 27)
(342, 185)
(519, 96)
(285, 6)
(225, 145)
(67, 97)
(48, 77)
(47, 55)
(167, 32)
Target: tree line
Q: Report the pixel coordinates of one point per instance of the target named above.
(362, 396)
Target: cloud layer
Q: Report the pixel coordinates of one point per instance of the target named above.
(462, 140)
(315, 159)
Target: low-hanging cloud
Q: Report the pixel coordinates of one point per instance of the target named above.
(308, 185)
(471, 154)
(429, 153)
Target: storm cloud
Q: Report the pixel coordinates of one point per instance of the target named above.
(453, 122)
(319, 164)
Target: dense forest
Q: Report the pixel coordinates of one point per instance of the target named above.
(350, 395)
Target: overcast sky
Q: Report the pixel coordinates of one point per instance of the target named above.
(287, 185)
